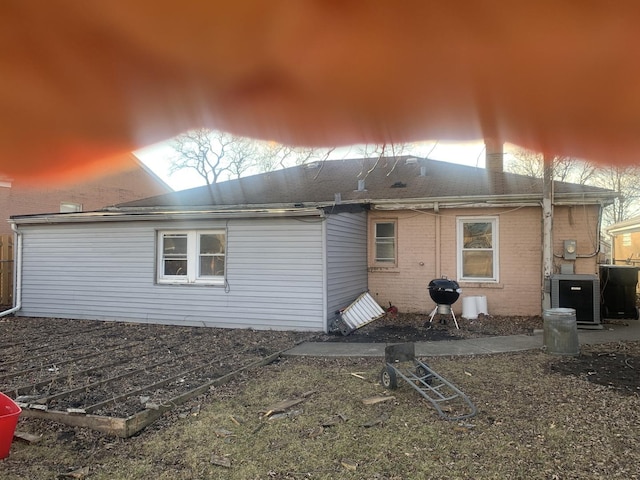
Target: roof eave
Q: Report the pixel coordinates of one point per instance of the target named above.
(139, 215)
(533, 199)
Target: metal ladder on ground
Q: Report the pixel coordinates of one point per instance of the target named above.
(450, 402)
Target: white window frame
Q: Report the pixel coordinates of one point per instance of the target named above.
(394, 261)
(192, 275)
(461, 221)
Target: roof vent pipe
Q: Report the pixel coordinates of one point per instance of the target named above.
(337, 198)
(361, 185)
(423, 170)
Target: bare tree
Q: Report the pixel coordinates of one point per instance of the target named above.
(213, 155)
(242, 155)
(565, 169)
(624, 180)
(381, 152)
(274, 156)
(378, 150)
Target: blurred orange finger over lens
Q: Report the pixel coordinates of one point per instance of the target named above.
(81, 82)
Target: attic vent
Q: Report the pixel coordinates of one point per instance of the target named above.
(399, 185)
(311, 165)
(411, 161)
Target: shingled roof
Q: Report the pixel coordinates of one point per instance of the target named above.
(395, 178)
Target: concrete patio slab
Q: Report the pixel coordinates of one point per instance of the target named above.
(618, 332)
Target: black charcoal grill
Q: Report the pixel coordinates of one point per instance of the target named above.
(445, 293)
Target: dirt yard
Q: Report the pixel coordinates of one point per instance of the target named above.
(539, 416)
(117, 369)
(417, 327)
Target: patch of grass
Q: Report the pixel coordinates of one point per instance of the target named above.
(532, 423)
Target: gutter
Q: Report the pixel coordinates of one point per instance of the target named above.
(467, 201)
(17, 275)
(628, 226)
(110, 216)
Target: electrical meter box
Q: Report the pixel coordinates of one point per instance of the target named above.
(570, 249)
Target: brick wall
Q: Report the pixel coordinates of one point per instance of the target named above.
(578, 223)
(519, 289)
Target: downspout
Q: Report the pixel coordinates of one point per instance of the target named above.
(547, 232)
(17, 274)
(325, 275)
(613, 247)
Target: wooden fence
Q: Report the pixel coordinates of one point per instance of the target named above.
(6, 270)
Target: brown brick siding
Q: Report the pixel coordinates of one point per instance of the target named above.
(519, 290)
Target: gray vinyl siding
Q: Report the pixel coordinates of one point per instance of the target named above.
(346, 259)
(107, 271)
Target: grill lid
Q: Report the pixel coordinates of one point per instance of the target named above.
(444, 291)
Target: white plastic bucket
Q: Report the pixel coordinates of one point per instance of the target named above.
(481, 305)
(470, 308)
(473, 306)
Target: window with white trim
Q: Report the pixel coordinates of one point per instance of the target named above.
(385, 242)
(191, 256)
(477, 249)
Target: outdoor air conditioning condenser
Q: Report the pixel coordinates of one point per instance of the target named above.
(580, 292)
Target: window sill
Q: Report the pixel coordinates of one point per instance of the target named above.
(470, 284)
(191, 284)
(383, 270)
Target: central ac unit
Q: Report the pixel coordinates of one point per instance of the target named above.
(580, 292)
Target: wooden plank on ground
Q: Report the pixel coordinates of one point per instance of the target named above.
(108, 425)
(378, 399)
(26, 437)
(282, 406)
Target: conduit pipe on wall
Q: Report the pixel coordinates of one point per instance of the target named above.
(17, 274)
(436, 210)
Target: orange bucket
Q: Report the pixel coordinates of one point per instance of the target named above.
(9, 413)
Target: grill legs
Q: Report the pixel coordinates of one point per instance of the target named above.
(435, 310)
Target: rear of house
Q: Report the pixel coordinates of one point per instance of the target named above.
(287, 249)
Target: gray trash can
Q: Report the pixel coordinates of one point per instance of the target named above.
(560, 334)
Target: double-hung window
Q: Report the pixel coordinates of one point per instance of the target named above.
(385, 242)
(478, 249)
(191, 256)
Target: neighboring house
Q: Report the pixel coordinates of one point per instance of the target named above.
(625, 242)
(133, 180)
(286, 249)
